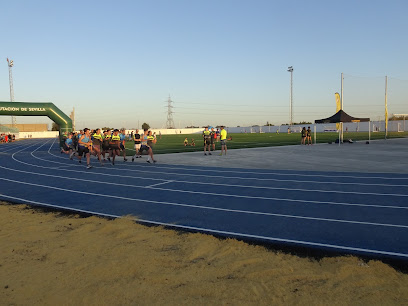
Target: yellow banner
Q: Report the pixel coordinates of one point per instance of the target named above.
(338, 107)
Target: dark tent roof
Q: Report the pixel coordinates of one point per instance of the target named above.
(341, 116)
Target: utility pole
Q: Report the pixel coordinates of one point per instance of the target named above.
(290, 69)
(341, 123)
(386, 107)
(10, 64)
(170, 122)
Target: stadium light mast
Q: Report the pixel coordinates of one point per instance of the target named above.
(10, 65)
(290, 69)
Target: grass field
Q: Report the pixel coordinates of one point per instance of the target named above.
(174, 143)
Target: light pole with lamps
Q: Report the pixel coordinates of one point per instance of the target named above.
(290, 69)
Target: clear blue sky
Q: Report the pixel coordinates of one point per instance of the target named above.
(222, 62)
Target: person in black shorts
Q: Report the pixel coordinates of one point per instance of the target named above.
(105, 144)
(97, 139)
(145, 147)
(114, 145)
(68, 147)
(207, 141)
(136, 138)
(303, 134)
(309, 136)
(75, 141)
(85, 147)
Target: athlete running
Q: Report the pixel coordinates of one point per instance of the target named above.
(151, 140)
(136, 138)
(145, 147)
(97, 142)
(123, 143)
(68, 147)
(114, 145)
(85, 147)
(105, 144)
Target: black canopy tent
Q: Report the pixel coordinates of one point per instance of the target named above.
(341, 116)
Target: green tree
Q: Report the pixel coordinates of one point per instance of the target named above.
(145, 126)
(55, 127)
(393, 117)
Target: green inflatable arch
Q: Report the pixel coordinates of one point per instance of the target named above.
(38, 109)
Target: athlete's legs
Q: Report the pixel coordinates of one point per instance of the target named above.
(124, 153)
(150, 153)
(88, 158)
(97, 150)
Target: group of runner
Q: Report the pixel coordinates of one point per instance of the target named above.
(111, 142)
(211, 136)
(7, 137)
(306, 135)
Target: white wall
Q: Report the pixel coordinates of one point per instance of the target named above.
(46, 134)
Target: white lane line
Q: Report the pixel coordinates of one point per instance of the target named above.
(283, 174)
(280, 199)
(78, 171)
(332, 175)
(210, 207)
(228, 233)
(226, 185)
(18, 146)
(151, 186)
(244, 178)
(154, 186)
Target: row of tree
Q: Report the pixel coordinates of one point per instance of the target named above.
(55, 127)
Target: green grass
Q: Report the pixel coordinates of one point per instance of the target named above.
(174, 143)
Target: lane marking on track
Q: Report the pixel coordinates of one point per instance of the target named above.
(213, 231)
(154, 185)
(206, 193)
(334, 175)
(210, 207)
(258, 173)
(219, 184)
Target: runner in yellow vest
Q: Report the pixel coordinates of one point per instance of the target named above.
(97, 142)
(115, 145)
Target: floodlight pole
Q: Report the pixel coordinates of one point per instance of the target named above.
(290, 69)
(10, 65)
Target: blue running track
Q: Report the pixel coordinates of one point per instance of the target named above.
(361, 213)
